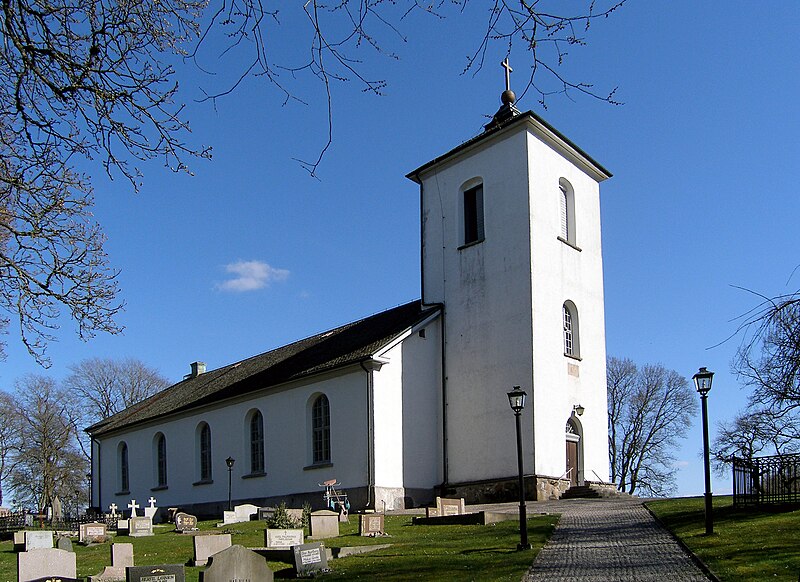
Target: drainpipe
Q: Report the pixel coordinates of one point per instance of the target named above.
(369, 366)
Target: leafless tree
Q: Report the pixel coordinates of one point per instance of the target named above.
(104, 386)
(649, 410)
(94, 81)
(9, 438)
(47, 462)
(751, 433)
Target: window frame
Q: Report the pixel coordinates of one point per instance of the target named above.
(320, 431)
(160, 461)
(570, 330)
(472, 214)
(205, 453)
(256, 434)
(124, 468)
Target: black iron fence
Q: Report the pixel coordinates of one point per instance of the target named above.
(766, 480)
(18, 520)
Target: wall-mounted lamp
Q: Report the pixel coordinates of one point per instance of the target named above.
(578, 409)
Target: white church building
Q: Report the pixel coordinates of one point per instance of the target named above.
(411, 402)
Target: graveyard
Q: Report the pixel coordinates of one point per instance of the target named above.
(485, 552)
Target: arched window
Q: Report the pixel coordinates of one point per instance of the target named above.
(567, 205)
(161, 460)
(472, 213)
(122, 457)
(321, 430)
(257, 442)
(571, 336)
(204, 452)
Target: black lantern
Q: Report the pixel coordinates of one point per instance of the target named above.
(702, 381)
(230, 461)
(516, 399)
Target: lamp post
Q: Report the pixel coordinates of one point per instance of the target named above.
(702, 381)
(89, 503)
(516, 399)
(230, 461)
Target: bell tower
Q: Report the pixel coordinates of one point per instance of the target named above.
(511, 248)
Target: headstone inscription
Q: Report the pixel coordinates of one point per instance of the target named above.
(160, 573)
(206, 546)
(324, 524)
(44, 563)
(237, 563)
(185, 522)
(282, 539)
(371, 524)
(450, 506)
(140, 527)
(36, 540)
(93, 533)
(310, 559)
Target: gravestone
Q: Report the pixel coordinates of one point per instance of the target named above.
(19, 541)
(324, 524)
(46, 563)
(185, 522)
(113, 507)
(37, 540)
(152, 510)
(206, 546)
(265, 513)
(123, 527)
(140, 527)
(450, 506)
(431, 512)
(282, 539)
(371, 524)
(229, 517)
(93, 533)
(236, 564)
(296, 514)
(245, 512)
(121, 558)
(160, 573)
(310, 559)
(133, 506)
(64, 543)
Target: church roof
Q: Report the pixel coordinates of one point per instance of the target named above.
(343, 346)
(538, 124)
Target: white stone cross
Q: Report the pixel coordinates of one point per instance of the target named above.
(152, 501)
(133, 506)
(113, 508)
(508, 69)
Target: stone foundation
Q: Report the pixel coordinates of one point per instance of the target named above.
(506, 490)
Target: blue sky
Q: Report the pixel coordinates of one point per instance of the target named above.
(251, 253)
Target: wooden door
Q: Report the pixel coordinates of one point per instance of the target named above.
(572, 461)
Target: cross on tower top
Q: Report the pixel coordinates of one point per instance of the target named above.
(509, 70)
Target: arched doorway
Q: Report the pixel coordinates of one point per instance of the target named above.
(573, 440)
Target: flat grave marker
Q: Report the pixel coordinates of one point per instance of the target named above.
(237, 564)
(310, 559)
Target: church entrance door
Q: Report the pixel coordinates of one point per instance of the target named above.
(572, 462)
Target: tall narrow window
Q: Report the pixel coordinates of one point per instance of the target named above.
(473, 215)
(124, 484)
(161, 460)
(256, 443)
(205, 452)
(566, 196)
(321, 430)
(570, 319)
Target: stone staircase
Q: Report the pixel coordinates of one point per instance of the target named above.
(592, 491)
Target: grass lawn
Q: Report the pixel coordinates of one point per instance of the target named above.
(418, 552)
(747, 544)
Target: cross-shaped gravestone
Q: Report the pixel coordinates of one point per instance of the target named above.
(152, 501)
(113, 508)
(508, 69)
(133, 506)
